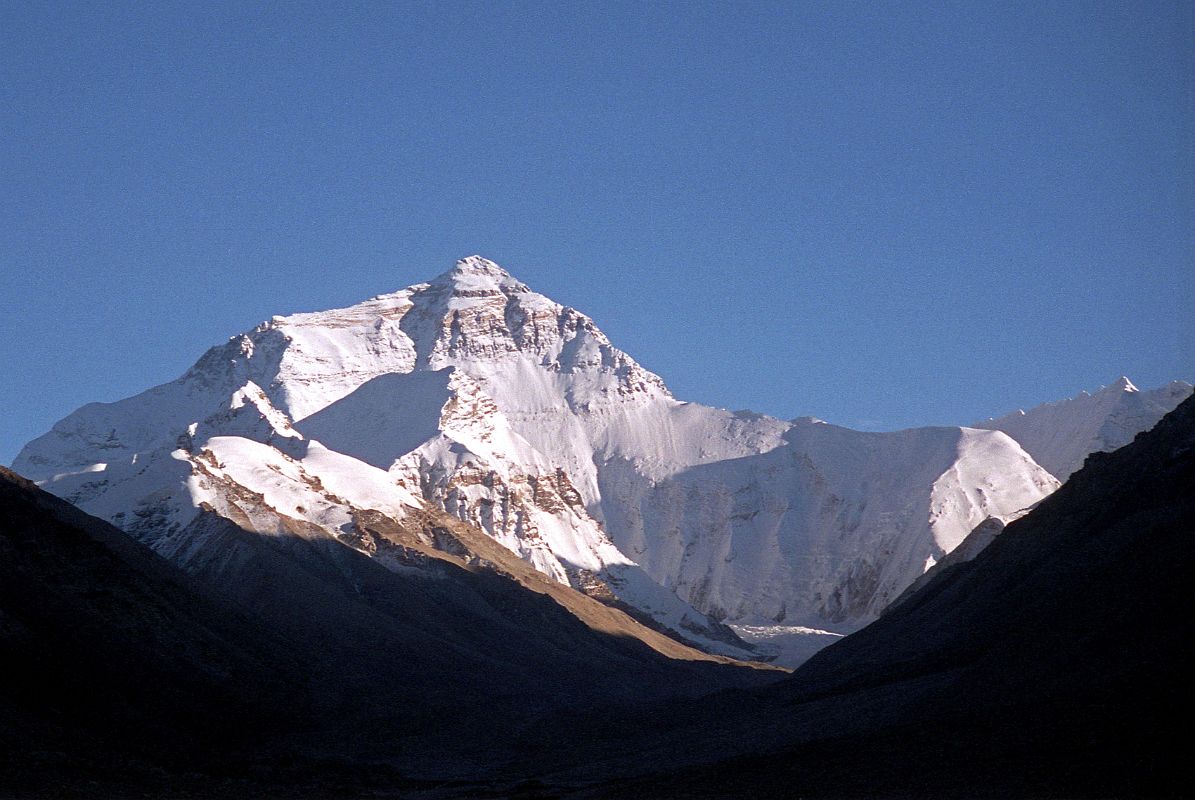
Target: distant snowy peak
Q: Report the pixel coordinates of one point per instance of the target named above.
(1061, 435)
(1121, 384)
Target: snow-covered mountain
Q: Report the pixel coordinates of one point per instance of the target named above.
(413, 390)
(475, 396)
(1061, 435)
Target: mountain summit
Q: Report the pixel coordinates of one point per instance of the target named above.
(478, 270)
(475, 396)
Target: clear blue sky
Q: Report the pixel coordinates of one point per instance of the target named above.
(882, 214)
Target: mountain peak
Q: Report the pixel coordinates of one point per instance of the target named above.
(475, 272)
(479, 264)
(1121, 384)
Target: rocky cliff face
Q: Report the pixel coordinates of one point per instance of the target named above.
(475, 396)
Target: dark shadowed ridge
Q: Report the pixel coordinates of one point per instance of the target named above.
(116, 665)
(1055, 664)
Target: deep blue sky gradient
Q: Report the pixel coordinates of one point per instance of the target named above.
(882, 214)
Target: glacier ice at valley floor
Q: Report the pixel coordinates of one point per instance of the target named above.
(475, 395)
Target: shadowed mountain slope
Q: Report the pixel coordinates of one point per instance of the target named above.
(125, 670)
(115, 660)
(1054, 664)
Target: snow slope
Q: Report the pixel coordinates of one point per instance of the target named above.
(1061, 435)
(828, 527)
